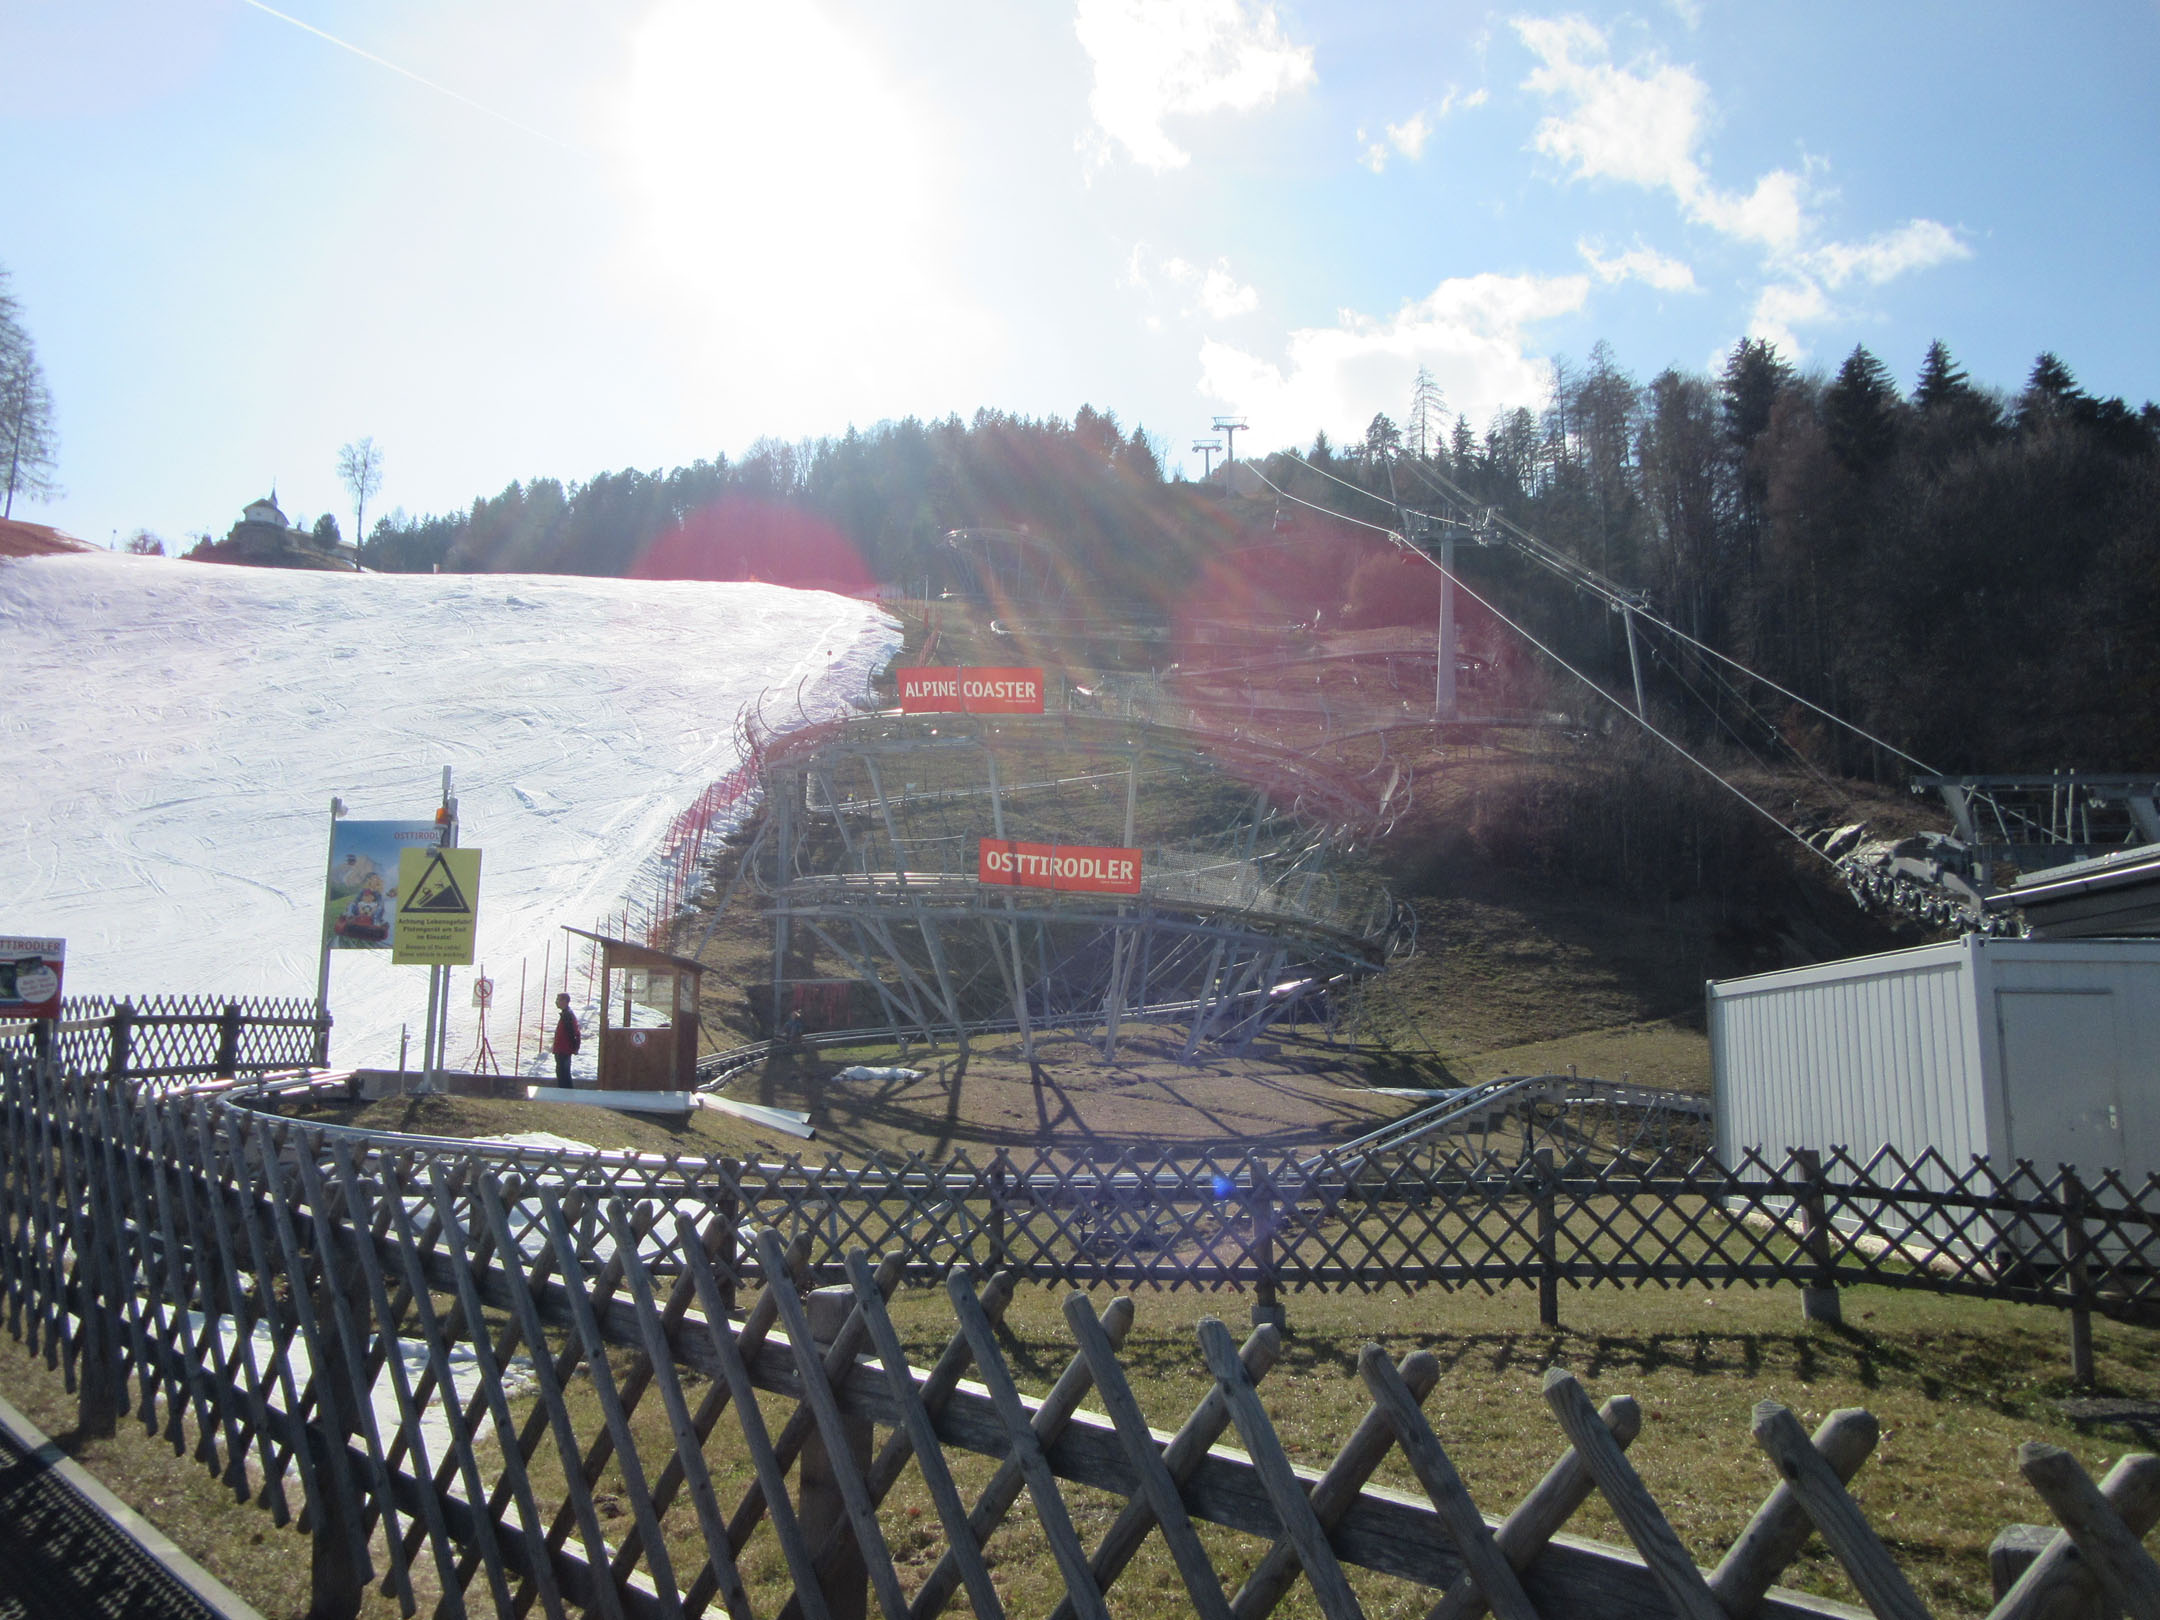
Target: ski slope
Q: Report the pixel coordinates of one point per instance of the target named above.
(171, 736)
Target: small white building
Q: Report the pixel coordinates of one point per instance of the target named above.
(2046, 1050)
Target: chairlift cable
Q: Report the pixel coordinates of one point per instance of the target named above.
(1643, 721)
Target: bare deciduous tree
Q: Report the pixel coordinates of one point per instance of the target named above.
(26, 431)
(359, 467)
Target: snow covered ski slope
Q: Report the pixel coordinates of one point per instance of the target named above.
(171, 735)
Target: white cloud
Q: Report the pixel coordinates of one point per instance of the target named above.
(1156, 59)
(1217, 293)
(1471, 332)
(1639, 263)
(1785, 306)
(1644, 125)
(1408, 138)
(1919, 244)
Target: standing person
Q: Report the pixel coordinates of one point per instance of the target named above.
(568, 1038)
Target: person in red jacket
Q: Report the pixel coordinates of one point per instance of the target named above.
(568, 1038)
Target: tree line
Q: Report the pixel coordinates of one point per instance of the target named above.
(1971, 575)
(872, 506)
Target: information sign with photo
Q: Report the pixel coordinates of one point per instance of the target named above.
(360, 910)
(30, 977)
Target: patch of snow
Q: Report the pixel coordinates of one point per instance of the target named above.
(865, 1071)
(537, 1139)
(172, 737)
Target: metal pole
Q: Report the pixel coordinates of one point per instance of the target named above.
(322, 969)
(1444, 696)
(1019, 976)
(439, 978)
(1627, 618)
(427, 1030)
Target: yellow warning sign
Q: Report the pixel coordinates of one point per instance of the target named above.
(438, 907)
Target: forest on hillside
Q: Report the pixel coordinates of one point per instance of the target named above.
(1972, 576)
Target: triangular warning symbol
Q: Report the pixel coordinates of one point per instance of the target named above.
(437, 891)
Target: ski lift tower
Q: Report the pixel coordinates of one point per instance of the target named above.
(1229, 427)
(1209, 449)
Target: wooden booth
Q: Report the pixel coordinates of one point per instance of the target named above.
(648, 1036)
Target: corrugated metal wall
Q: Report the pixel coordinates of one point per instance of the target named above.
(1857, 1056)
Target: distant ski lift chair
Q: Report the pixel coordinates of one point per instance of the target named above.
(648, 1017)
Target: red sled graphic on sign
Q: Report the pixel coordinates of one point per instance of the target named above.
(962, 689)
(1085, 868)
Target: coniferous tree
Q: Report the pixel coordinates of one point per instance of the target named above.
(1860, 413)
(1755, 375)
(1942, 382)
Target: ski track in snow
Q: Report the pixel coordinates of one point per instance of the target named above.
(171, 736)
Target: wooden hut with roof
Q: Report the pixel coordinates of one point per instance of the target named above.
(648, 1035)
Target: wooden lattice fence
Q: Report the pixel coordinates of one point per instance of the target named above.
(346, 1336)
(175, 1039)
(1273, 1224)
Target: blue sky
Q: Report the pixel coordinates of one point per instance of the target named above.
(510, 238)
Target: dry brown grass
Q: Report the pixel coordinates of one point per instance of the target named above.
(1071, 1103)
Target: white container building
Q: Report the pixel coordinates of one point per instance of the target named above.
(2046, 1050)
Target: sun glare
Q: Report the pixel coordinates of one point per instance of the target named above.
(784, 183)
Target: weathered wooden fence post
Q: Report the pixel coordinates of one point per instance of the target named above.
(2079, 1276)
(101, 1386)
(1000, 1259)
(120, 1039)
(228, 1043)
(820, 1507)
(1267, 1310)
(1548, 1239)
(1819, 1295)
(727, 1258)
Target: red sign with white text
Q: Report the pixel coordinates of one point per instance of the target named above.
(1086, 868)
(949, 689)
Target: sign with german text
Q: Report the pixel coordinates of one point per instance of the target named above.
(438, 907)
(1084, 868)
(30, 977)
(962, 689)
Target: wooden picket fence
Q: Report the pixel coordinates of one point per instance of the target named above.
(301, 1315)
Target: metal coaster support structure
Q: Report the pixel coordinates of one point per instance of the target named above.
(868, 863)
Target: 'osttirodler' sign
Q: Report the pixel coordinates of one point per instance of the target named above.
(1086, 868)
(30, 972)
(965, 689)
